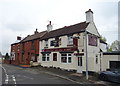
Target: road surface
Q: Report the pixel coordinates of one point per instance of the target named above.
(17, 75)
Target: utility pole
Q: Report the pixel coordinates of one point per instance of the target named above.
(86, 55)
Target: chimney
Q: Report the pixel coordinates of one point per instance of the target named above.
(18, 38)
(89, 16)
(36, 31)
(49, 27)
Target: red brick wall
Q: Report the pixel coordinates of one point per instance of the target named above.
(28, 51)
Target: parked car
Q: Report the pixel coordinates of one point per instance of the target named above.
(113, 76)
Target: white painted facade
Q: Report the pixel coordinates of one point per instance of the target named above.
(73, 63)
(93, 53)
(105, 61)
(103, 47)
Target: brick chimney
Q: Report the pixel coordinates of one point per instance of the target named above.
(49, 27)
(89, 16)
(18, 38)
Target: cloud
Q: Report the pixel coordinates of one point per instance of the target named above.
(24, 16)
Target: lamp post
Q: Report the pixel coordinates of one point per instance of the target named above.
(86, 55)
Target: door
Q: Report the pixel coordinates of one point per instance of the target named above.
(79, 68)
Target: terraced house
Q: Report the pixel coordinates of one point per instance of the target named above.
(26, 50)
(65, 47)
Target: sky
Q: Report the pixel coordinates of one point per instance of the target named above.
(22, 17)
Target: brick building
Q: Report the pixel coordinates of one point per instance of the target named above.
(26, 50)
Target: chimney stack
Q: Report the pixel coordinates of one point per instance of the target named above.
(36, 31)
(49, 27)
(18, 38)
(89, 16)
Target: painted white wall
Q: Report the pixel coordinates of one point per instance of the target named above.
(103, 47)
(106, 59)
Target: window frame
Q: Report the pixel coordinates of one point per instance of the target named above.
(70, 40)
(66, 56)
(46, 57)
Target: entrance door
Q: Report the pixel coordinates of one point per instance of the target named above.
(79, 69)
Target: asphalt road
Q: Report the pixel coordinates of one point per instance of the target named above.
(17, 75)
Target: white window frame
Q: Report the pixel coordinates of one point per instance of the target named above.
(46, 57)
(67, 56)
(46, 43)
(70, 40)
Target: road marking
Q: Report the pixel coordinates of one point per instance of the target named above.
(13, 77)
(7, 76)
(28, 77)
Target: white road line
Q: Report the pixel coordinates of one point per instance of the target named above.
(6, 80)
(28, 77)
(13, 77)
(7, 76)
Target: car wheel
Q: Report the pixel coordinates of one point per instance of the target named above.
(103, 77)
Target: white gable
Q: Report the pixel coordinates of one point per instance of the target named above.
(92, 29)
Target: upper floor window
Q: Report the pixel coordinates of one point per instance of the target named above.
(70, 40)
(46, 43)
(33, 45)
(18, 47)
(55, 42)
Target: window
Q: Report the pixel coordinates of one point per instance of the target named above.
(55, 42)
(66, 58)
(79, 61)
(18, 47)
(54, 56)
(70, 40)
(45, 57)
(59, 41)
(32, 45)
(52, 43)
(96, 60)
(46, 43)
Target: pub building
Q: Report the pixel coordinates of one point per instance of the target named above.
(65, 48)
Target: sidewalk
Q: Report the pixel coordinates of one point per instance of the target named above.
(70, 75)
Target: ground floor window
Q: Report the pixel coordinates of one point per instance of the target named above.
(66, 57)
(45, 57)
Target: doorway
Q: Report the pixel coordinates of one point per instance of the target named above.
(79, 68)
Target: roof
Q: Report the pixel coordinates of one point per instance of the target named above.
(101, 41)
(37, 35)
(112, 53)
(76, 28)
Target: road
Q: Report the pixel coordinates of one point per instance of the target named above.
(17, 75)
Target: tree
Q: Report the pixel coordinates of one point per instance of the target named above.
(115, 46)
(7, 56)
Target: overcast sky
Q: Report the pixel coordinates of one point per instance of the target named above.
(22, 17)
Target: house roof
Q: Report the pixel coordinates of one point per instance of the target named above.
(37, 35)
(76, 28)
(112, 53)
(34, 36)
(101, 41)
